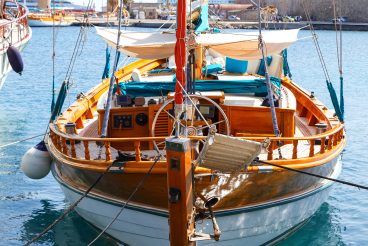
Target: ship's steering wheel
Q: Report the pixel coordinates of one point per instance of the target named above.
(190, 125)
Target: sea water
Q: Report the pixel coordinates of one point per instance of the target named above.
(28, 206)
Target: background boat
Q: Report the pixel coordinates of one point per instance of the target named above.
(44, 19)
(15, 31)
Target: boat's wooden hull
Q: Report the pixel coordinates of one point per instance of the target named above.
(265, 208)
(248, 225)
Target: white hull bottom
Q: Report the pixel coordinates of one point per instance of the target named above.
(254, 225)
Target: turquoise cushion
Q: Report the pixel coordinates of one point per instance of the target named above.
(212, 68)
(235, 66)
(261, 70)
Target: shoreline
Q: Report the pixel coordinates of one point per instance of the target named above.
(155, 23)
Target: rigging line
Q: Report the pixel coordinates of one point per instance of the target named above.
(141, 182)
(315, 40)
(70, 208)
(79, 38)
(112, 79)
(53, 58)
(20, 141)
(268, 82)
(314, 35)
(338, 30)
(314, 175)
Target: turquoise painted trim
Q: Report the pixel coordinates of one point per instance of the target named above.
(217, 213)
(202, 24)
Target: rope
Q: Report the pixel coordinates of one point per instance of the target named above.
(338, 107)
(127, 201)
(112, 79)
(70, 208)
(338, 32)
(78, 42)
(315, 175)
(20, 141)
(268, 82)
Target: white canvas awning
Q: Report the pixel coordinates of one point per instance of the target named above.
(240, 45)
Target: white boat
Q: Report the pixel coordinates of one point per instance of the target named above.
(16, 32)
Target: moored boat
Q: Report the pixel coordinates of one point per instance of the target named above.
(15, 33)
(47, 19)
(200, 137)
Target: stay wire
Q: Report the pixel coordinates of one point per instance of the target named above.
(141, 182)
(78, 42)
(314, 175)
(338, 32)
(316, 43)
(70, 208)
(20, 141)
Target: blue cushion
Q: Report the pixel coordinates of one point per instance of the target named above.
(235, 66)
(212, 68)
(262, 70)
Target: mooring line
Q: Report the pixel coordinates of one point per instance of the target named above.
(314, 175)
(20, 141)
(70, 208)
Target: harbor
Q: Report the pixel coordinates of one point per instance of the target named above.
(119, 131)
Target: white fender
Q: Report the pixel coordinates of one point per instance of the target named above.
(36, 162)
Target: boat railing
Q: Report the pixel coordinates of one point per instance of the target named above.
(15, 30)
(77, 149)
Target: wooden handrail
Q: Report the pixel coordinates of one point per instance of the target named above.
(59, 140)
(326, 134)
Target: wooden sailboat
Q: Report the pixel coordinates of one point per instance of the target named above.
(174, 134)
(47, 18)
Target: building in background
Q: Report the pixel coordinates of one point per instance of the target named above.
(145, 9)
(322, 10)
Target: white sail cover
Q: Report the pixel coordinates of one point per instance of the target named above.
(239, 45)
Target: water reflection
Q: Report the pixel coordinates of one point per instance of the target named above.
(322, 229)
(72, 231)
